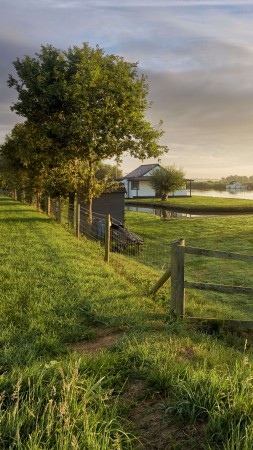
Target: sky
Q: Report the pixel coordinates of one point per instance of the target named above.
(197, 55)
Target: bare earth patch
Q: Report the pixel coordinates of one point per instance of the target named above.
(149, 423)
(146, 410)
(106, 339)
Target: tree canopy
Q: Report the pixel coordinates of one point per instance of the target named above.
(167, 179)
(22, 160)
(83, 105)
(91, 104)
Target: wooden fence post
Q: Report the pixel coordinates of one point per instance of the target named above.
(58, 210)
(177, 277)
(78, 217)
(37, 200)
(48, 205)
(107, 238)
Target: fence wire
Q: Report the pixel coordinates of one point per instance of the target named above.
(68, 211)
(53, 208)
(94, 230)
(122, 240)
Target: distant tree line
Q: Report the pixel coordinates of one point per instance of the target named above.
(223, 182)
(205, 185)
(241, 178)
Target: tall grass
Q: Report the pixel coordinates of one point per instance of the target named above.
(203, 384)
(60, 406)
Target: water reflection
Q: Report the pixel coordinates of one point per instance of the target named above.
(165, 214)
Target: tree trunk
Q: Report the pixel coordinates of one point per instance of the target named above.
(90, 209)
(91, 176)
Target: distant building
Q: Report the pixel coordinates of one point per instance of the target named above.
(137, 183)
(233, 185)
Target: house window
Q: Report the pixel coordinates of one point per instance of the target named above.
(135, 185)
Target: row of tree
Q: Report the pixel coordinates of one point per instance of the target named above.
(241, 178)
(80, 106)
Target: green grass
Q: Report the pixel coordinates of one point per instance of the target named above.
(56, 290)
(231, 234)
(199, 203)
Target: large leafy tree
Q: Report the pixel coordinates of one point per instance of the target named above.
(89, 105)
(167, 179)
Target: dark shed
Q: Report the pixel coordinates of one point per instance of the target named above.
(112, 203)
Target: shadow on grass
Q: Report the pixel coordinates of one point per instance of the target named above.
(17, 210)
(27, 220)
(3, 204)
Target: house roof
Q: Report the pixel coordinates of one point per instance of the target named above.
(141, 171)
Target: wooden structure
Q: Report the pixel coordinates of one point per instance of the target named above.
(122, 239)
(112, 203)
(178, 283)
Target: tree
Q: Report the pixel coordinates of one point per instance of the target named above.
(105, 171)
(167, 179)
(72, 178)
(22, 163)
(88, 104)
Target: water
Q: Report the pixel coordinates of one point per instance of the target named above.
(162, 213)
(240, 194)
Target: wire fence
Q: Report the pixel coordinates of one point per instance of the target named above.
(94, 230)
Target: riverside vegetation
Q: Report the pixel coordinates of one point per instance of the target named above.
(162, 385)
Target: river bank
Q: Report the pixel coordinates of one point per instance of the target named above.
(197, 205)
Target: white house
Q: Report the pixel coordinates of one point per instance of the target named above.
(137, 182)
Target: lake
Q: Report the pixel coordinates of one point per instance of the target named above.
(246, 195)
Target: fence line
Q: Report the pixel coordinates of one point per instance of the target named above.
(218, 254)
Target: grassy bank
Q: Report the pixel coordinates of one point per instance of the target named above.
(160, 385)
(200, 204)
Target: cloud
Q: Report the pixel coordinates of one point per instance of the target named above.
(197, 54)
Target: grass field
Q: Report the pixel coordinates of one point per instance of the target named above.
(159, 384)
(229, 234)
(201, 204)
